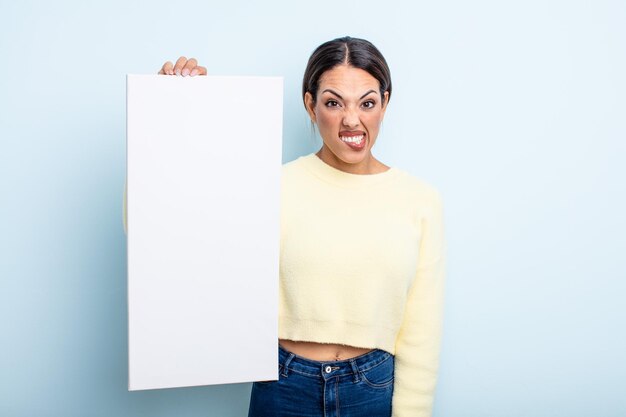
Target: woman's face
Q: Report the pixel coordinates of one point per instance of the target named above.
(348, 112)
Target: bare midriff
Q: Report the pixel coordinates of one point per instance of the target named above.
(322, 351)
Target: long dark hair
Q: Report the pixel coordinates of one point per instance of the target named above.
(355, 52)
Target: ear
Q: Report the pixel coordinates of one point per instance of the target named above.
(384, 106)
(310, 106)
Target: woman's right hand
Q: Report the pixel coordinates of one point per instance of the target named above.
(183, 67)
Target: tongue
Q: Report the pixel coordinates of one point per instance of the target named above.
(356, 146)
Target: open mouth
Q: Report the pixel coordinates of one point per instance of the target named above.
(355, 140)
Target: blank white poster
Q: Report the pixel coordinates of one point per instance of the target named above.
(203, 215)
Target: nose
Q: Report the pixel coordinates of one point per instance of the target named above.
(351, 118)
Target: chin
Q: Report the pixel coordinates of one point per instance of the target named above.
(350, 156)
(346, 156)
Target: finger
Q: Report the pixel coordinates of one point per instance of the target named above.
(180, 63)
(198, 71)
(191, 63)
(166, 68)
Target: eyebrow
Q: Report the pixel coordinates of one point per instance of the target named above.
(335, 93)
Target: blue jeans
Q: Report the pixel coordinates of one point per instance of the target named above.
(357, 387)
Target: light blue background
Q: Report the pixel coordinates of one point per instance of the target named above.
(514, 110)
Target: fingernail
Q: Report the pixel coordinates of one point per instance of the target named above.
(194, 72)
(177, 72)
(185, 72)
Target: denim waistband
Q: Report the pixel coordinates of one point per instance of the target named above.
(289, 361)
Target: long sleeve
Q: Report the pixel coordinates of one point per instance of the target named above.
(419, 338)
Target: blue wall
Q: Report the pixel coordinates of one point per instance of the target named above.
(514, 110)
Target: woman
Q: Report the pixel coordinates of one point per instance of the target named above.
(362, 256)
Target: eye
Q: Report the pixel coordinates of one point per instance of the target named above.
(331, 103)
(369, 104)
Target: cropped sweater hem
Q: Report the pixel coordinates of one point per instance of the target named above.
(337, 332)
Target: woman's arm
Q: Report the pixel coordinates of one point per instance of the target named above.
(418, 342)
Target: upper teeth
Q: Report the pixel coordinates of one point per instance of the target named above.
(354, 139)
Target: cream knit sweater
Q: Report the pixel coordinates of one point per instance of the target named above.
(362, 263)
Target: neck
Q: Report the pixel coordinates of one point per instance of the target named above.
(364, 167)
